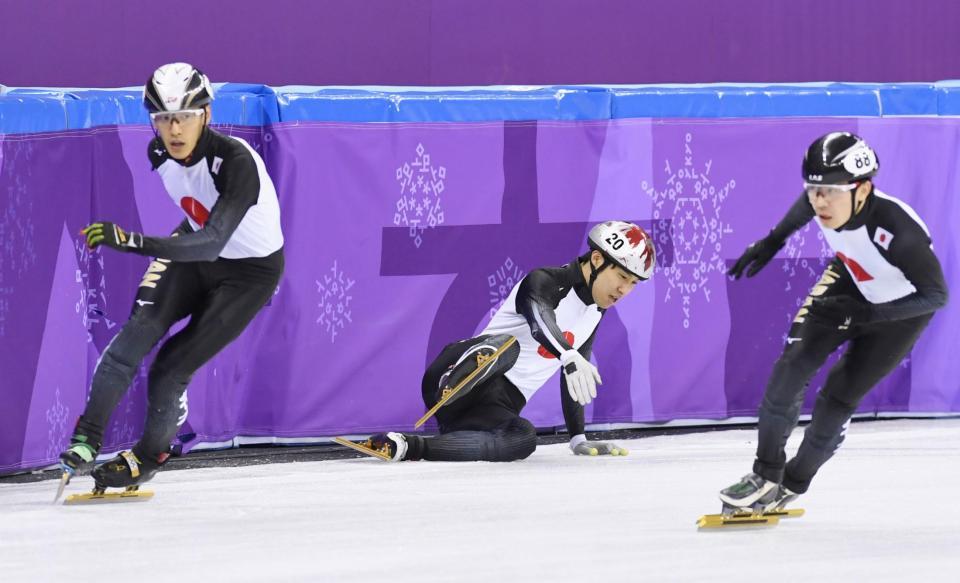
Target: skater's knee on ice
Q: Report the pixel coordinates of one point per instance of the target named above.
(519, 440)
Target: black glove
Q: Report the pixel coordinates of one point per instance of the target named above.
(111, 235)
(839, 311)
(756, 256)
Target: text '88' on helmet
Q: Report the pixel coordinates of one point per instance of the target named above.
(839, 158)
(176, 87)
(626, 245)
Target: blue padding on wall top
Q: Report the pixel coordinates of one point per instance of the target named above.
(754, 100)
(26, 114)
(235, 104)
(457, 104)
(746, 100)
(29, 110)
(948, 97)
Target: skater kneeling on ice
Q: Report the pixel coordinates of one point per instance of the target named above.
(219, 267)
(547, 322)
(878, 294)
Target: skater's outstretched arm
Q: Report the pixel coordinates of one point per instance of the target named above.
(237, 182)
(573, 417)
(759, 253)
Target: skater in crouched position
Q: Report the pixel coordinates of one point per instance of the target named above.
(548, 321)
(878, 294)
(219, 268)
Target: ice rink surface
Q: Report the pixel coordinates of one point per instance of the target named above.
(885, 508)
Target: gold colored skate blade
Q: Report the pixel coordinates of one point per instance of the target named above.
(447, 395)
(742, 519)
(362, 448)
(107, 497)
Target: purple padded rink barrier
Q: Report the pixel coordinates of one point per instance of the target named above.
(404, 236)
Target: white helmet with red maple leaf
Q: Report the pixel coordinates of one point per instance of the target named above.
(625, 245)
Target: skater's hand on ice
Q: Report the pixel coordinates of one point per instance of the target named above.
(756, 256)
(838, 311)
(582, 377)
(111, 235)
(581, 446)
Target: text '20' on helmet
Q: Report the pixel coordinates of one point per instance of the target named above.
(176, 87)
(839, 158)
(625, 245)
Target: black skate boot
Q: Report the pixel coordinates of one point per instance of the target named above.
(397, 446)
(746, 495)
(78, 458)
(127, 470)
(477, 356)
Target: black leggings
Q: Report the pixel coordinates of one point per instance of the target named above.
(220, 297)
(873, 351)
(484, 425)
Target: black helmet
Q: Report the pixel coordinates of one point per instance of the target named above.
(839, 158)
(175, 87)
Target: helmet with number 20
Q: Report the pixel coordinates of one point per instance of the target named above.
(625, 245)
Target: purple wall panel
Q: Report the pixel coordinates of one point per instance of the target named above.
(110, 43)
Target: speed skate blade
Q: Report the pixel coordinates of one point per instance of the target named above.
(745, 519)
(64, 480)
(362, 448)
(109, 497)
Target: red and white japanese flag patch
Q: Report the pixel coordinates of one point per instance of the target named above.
(883, 238)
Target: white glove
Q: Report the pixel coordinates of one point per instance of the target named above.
(582, 377)
(580, 446)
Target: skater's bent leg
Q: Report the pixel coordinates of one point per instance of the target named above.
(784, 394)
(457, 365)
(514, 440)
(162, 299)
(117, 366)
(820, 441)
(870, 357)
(218, 324)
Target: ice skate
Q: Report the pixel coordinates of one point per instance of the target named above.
(493, 356)
(776, 500)
(126, 471)
(753, 501)
(745, 495)
(391, 447)
(478, 363)
(75, 460)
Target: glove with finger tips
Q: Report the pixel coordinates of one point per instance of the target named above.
(581, 376)
(111, 235)
(756, 256)
(598, 448)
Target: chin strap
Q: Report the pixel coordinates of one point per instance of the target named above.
(854, 209)
(595, 271)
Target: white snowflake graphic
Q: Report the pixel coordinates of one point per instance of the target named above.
(92, 304)
(335, 309)
(693, 199)
(501, 282)
(57, 416)
(421, 184)
(17, 236)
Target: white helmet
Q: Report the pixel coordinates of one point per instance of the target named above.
(175, 87)
(625, 245)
